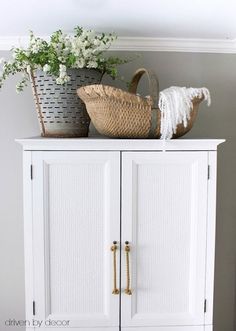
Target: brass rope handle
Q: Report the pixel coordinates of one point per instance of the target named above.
(114, 249)
(127, 250)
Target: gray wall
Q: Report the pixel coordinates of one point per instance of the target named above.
(18, 119)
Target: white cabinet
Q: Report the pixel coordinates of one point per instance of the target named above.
(83, 197)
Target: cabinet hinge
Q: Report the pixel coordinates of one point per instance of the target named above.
(208, 172)
(205, 306)
(33, 308)
(31, 171)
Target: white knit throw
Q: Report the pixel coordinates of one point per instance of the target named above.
(175, 104)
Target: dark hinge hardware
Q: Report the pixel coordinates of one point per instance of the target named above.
(31, 171)
(208, 172)
(205, 306)
(33, 308)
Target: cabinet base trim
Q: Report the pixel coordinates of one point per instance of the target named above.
(75, 329)
(166, 328)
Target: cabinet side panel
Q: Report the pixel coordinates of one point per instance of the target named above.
(211, 228)
(28, 234)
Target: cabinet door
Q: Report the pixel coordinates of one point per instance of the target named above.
(76, 218)
(164, 213)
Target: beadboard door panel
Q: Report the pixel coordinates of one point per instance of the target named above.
(164, 217)
(76, 217)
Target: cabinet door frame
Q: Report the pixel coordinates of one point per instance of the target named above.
(128, 318)
(40, 161)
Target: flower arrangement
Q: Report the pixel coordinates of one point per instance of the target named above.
(84, 49)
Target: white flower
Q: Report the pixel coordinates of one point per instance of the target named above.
(97, 42)
(62, 59)
(59, 81)
(2, 60)
(76, 46)
(66, 79)
(36, 45)
(90, 34)
(58, 47)
(46, 68)
(35, 49)
(62, 38)
(66, 51)
(28, 69)
(62, 79)
(87, 53)
(80, 63)
(92, 64)
(85, 43)
(62, 68)
(67, 43)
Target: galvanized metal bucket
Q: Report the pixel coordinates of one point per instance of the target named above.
(61, 112)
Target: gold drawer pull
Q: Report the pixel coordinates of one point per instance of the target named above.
(114, 249)
(127, 251)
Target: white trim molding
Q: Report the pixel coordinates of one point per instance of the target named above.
(175, 45)
(101, 144)
(147, 44)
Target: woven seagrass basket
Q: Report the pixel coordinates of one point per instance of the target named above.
(120, 114)
(60, 111)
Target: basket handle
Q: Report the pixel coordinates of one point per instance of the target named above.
(153, 84)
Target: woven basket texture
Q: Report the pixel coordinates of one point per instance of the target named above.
(61, 112)
(120, 114)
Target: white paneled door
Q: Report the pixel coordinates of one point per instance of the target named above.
(76, 218)
(164, 216)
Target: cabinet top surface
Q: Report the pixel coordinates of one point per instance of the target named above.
(70, 144)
